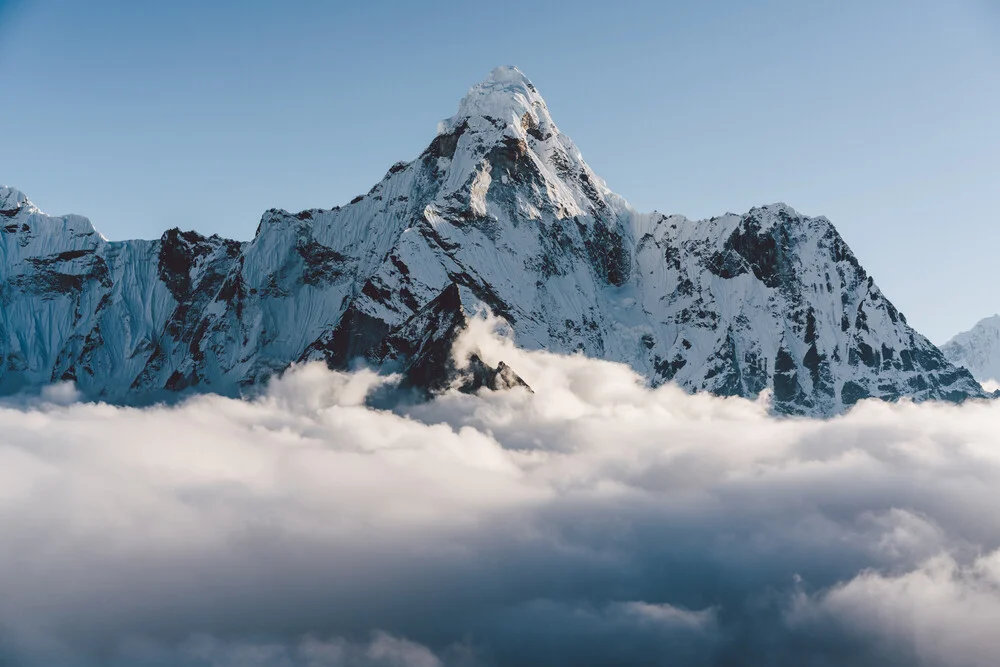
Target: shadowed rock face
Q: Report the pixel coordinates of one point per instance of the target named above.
(480, 375)
(420, 349)
(499, 213)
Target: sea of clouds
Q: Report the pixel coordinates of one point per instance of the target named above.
(592, 522)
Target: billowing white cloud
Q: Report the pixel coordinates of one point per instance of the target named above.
(595, 521)
(940, 613)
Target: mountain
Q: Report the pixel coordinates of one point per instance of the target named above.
(499, 212)
(977, 349)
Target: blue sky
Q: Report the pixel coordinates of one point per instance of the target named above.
(880, 115)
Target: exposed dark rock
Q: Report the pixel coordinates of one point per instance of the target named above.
(178, 253)
(444, 145)
(608, 253)
(852, 392)
(788, 395)
(759, 251)
(667, 369)
(398, 167)
(480, 375)
(50, 278)
(512, 158)
(322, 265)
(356, 335)
(421, 349)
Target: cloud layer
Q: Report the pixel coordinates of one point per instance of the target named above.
(594, 522)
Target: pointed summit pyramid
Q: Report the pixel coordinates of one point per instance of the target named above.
(506, 95)
(499, 213)
(503, 135)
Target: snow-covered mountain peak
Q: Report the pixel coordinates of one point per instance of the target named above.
(501, 212)
(13, 202)
(506, 101)
(977, 349)
(778, 214)
(25, 231)
(507, 75)
(501, 157)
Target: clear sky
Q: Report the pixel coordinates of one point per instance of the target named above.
(880, 114)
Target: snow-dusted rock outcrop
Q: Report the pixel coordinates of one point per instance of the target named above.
(500, 211)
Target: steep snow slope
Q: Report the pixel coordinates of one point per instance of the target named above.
(977, 349)
(499, 212)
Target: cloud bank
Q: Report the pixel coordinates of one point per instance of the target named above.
(593, 522)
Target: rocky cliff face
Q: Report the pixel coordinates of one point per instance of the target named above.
(500, 212)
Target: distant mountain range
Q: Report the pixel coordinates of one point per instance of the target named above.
(977, 350)
(500, 212)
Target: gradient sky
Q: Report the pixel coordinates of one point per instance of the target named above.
(883, 116)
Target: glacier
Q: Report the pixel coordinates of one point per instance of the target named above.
(499, 214)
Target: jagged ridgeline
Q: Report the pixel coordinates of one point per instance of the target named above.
(500, 212)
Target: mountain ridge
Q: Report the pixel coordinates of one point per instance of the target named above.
(502, 211)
